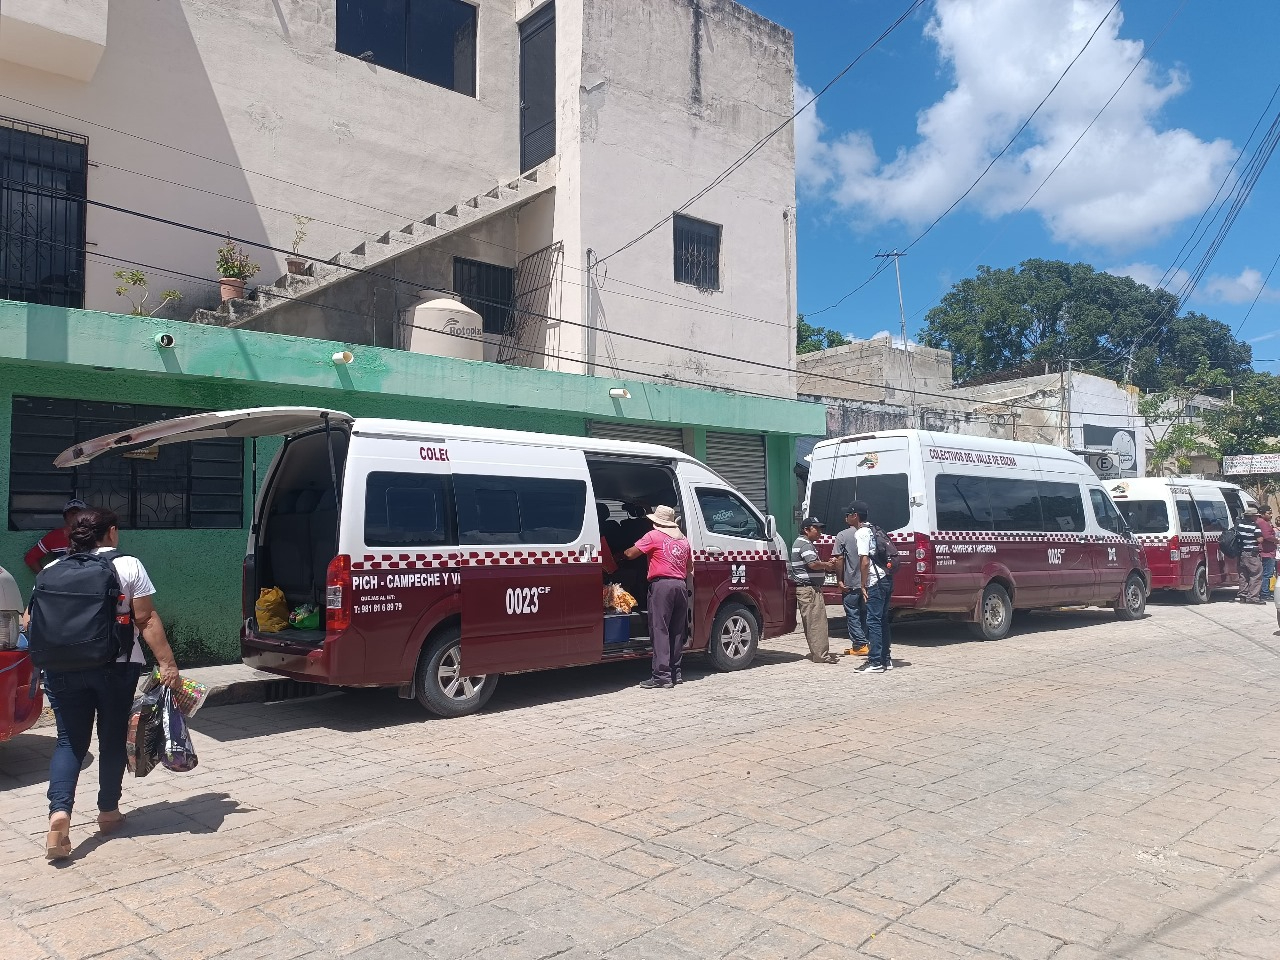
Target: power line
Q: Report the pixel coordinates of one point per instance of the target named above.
(760, 144)
(1256, 296)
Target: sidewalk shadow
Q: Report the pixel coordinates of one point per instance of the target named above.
(202, 813)
(24, 760)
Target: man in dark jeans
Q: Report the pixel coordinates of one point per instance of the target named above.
(873, 585)
(852, 594)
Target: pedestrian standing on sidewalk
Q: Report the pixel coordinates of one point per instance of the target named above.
(105, 691)
(1249, 564)
(668, 552)
(852, 594)
(1267, 550)
(877, 586)
(809, 573)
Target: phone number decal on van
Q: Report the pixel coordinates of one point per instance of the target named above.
(972, 456)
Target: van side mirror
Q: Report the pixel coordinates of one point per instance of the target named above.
(770, 527)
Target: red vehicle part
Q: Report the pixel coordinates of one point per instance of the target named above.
(18, 710)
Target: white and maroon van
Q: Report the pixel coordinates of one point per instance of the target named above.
(448, 555)
(985, 526)
(1179, 521)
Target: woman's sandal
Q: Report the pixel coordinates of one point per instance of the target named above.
(110, 821)
(57, 845)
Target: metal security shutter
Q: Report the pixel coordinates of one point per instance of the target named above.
(739, 458)
(672, 437)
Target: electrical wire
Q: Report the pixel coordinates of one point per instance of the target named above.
(1257, 296)
(760, 144)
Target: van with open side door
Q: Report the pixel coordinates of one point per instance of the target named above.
(1179, 521)
(445, 555)
(986, 526)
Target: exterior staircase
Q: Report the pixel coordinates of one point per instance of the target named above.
(367, 255)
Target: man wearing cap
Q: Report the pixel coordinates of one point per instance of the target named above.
(851, 586)
(54, 544)
(809, 572)
(1249, 563)
(1267, 551)
(668, 607)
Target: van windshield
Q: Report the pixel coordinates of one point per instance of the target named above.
(886, 495)
(1145, 516)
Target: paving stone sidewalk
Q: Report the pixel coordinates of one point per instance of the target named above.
(1084, 788)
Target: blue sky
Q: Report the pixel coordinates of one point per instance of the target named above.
(903, 134)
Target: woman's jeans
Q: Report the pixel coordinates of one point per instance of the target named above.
(76, 698)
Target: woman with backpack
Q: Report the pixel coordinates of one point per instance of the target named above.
(90, 612)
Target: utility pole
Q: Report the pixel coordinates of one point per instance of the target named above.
(902, 313)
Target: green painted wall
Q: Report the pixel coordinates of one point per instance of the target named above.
(74, 354)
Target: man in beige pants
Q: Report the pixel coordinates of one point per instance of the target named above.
(808, 572)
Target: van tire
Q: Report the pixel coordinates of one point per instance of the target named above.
(445, 697)
(995, 614)
(1199, 592)
(1133, 599)
(735, 637)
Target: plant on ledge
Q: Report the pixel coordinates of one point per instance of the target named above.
(234, 267)
(133, 287)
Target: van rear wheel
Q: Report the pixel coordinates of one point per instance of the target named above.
(735, 635)
(1199, 592)
(440, 684)
(1133, 600)
(995, 615)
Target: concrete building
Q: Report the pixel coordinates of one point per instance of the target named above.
(509, 151)
(67, 375)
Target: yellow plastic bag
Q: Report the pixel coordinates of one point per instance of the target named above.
(271, 610)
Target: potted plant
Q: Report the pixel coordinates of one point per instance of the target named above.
(298, 265)
(133, 283)
(234, 267)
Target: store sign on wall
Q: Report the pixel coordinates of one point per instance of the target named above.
(1253, 463)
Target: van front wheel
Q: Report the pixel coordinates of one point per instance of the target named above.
(1133, 600)
(442, 687)
(735, 635)
(1199, 592)
(995, 615)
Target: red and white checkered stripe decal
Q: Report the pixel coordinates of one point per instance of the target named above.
(736, 556)
(986, 536)
(472, 558)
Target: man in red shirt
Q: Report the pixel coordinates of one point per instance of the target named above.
(54, 543)
(1266, 550)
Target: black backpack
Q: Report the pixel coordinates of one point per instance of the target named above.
(74, 623)
(886, 555)
(1230, 545)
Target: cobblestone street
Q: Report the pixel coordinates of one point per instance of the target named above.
(1084, 788)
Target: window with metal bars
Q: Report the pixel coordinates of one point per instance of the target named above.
(186, 486)
(432, 40)
(43, 183)
(697, 252)
(488, 289)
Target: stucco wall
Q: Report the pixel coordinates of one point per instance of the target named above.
(258, 85)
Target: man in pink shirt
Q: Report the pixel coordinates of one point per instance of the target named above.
(1266, 550)
(668, 552)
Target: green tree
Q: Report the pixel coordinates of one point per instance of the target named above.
(1174, 435)
(1250, 423)
(1052, 311)
(811, 338)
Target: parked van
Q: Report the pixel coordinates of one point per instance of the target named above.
(445, 555)
(1179, 522)
(986, 526)
(19, 706)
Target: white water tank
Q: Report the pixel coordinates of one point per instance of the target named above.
(443, 327)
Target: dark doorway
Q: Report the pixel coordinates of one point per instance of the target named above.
(538, 88)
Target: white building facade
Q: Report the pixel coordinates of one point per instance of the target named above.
(514, 153)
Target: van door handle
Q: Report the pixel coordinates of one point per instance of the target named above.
(714, 551)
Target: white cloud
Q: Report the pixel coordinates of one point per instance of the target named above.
(1126, 182)
(1214, 288)
(1150, 274)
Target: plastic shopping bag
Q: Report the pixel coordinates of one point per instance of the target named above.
(177, 752)
(143, 746)
(271, 610)
(189, 697)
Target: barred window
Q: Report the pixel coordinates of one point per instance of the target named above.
(697, 252)
(185, 486)
(488, 289)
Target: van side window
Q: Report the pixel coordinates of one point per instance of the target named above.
(727, 515)
(509, 510)
(1105, 513)
(1188, 517)
(1151, 516)
(887, 495)
(1015, 505)
(408, 510)
(1235, 503)
(1214, 515)
(961, 502)
(1063, 508)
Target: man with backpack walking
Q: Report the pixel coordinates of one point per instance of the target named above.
(89, 614)
(872, 578)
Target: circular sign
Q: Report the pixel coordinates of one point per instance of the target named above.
(1126, 449)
